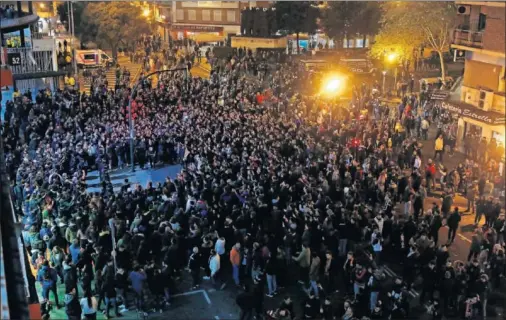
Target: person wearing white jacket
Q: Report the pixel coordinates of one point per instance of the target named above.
(220, 246)
(214, 266)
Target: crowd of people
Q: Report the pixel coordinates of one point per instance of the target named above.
(272, 181)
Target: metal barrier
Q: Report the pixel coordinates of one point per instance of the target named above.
(31, 61)
(468, 38)
(19, 284)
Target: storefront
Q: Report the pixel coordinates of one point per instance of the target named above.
(473, 121)
(255, 43)
(188, 31)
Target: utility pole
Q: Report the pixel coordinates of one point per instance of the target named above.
(74, 60)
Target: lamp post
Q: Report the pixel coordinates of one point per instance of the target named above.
(331, 90)
(130, 119)
(392, 58)
(384, 76)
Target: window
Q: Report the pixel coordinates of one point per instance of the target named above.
(89, 56)
(179, 14)
(217, 15)
(206, 15)
(230, 15)
(466, 22)
(192, 15)
(482, 22)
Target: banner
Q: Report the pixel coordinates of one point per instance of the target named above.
(196, 28)
(254, 43)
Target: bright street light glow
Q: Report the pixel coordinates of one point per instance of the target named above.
(42, 5)
(333, 85)
(146, 12)
(391, 57)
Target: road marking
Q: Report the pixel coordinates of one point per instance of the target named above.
(189, 293)
(206, 296)
(463, 238)
(216, 317)
(415, 294)
(392, 274)
(389, 272)
(211, 290)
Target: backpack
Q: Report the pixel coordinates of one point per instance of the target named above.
(38, 244)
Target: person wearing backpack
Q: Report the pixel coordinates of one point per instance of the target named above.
(72, 306)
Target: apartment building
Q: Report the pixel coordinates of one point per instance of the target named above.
(481, 34)
(208, 20)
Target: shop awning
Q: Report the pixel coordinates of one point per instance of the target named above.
(6, 78)
(207, 37)
(467, 110)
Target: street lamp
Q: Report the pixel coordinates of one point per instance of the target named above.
(392, 58)
(130, 119)
(146, 12)
(384, 75)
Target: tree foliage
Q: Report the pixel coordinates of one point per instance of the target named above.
(408, 26)
(113, 23)
(78, 8)
(296, 17)
(343, 18)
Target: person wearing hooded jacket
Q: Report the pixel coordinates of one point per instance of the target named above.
(70, 274)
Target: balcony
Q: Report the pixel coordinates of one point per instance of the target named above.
(468, 38)
(14, 19)
(30, 61)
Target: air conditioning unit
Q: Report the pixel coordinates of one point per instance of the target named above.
(464, 10)
(486, 99)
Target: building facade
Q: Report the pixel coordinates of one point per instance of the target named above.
(207, 20)
(28, 55)
(481, 35)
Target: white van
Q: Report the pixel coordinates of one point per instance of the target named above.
(93, 58)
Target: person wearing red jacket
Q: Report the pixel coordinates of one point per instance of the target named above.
(430, 173)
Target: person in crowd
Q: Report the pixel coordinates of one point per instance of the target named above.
(235, 260)
(271, 270)
(194, 264)
(215, 267)
(48, 278)
(439, 148)
(89, 306)
(72, 305)
(304, 261)
(138, 278)
(471, 195)
(453, 224)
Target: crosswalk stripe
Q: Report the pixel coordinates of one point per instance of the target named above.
(133, 68)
